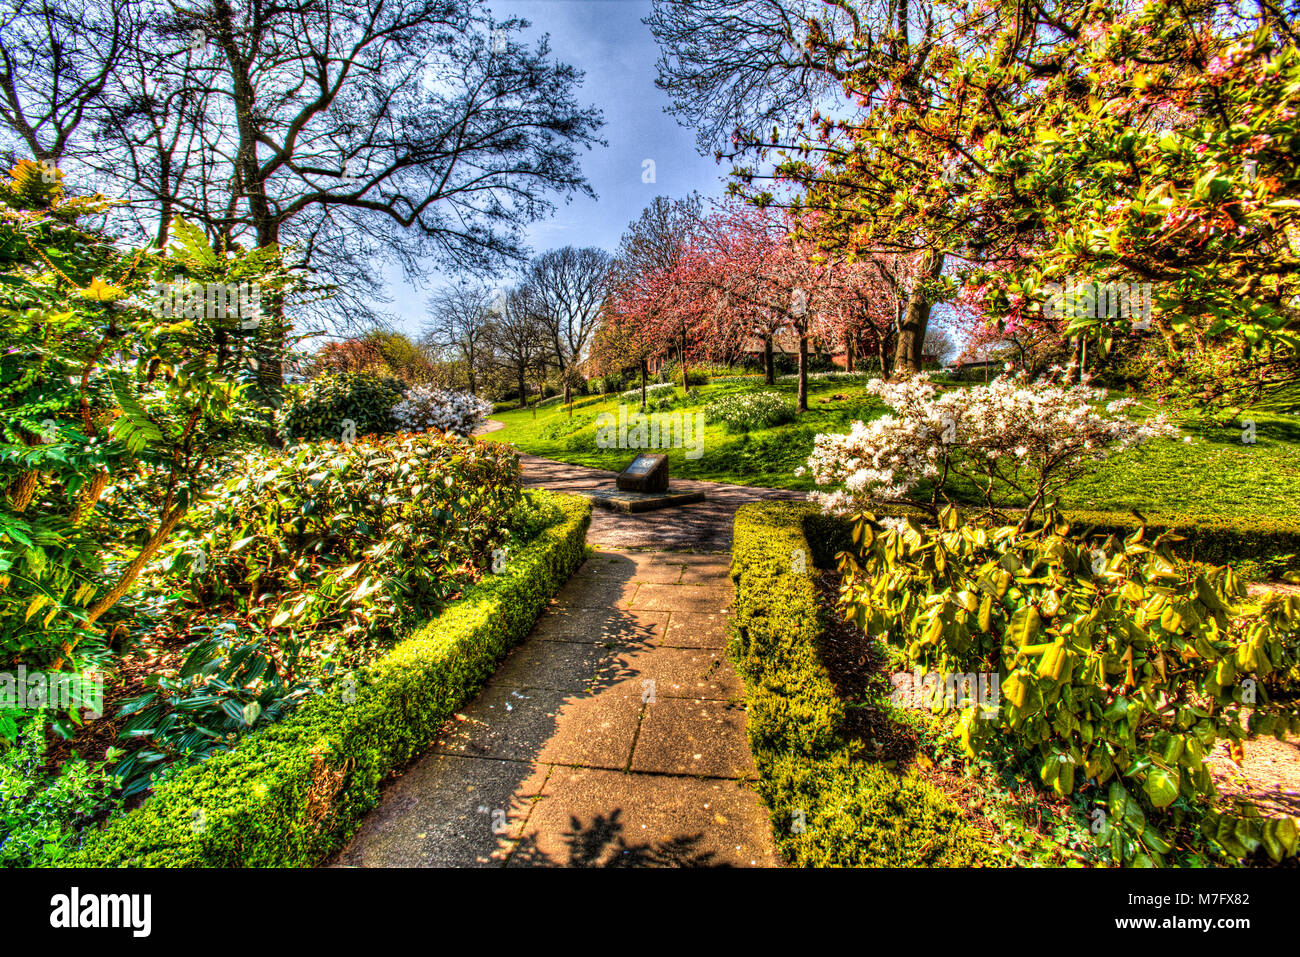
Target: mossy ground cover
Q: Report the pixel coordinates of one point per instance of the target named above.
(1217, 473)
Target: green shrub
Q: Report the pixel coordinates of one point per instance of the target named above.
(828, 806)
(1119, 668)
(1269, 545)
(292, 794)
(41, 811)
(323, 555)
(695, 375)
(323, 408)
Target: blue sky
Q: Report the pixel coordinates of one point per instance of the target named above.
(607, 40)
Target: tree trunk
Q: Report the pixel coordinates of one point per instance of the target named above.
(803, 373)
(644, 376)
(684, 385)
(848, 355)
(915, 318)
(523, 389)
(769, 365)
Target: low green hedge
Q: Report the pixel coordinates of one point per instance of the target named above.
(291, 795)
(1271, 545)
(829, 807)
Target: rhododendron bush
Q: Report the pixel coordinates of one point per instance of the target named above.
(1118, 670)
(428, 407)
(1014, 439)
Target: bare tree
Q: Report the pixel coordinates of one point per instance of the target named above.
(518, 336)
(55, 61)
(567, 288)
(353, 131)
(461, 324)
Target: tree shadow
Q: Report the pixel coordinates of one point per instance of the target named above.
(604, 843)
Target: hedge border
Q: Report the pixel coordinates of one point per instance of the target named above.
(828, 806)
(1213, 539)
(293, 794)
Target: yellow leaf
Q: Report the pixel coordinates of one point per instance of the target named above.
(37, 604)
(101, 291)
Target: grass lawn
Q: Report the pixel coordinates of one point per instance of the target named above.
(1215, 474)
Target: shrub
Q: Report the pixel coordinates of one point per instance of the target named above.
(427, 407)
(323, 408)
(40, 812)
(750, 411)
(1008, 438)
(100, 382)
(695, 375)
(323, 555)
(829, 807)
(292, 793)
(1119, 669)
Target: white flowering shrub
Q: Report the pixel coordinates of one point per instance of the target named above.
(1017, 441)
(427, 407)
(751, 410)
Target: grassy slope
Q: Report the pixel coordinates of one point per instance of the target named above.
(1215, 474)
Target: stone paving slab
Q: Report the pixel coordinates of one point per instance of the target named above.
(597, 593)
(592, 818)
(696, 737)
(631, 570)
(612, 627)
(547, 725)
(697, 673)
(464, 811)
(562, 666)
(713, 597)
(688, 629)
(614, 735)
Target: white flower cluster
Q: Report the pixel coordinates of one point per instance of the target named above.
(426, 407)
(649, 390)
(751, 410)
(1011, 437)
(832, 375)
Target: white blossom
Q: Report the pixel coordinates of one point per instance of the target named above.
(1037, 434)
(426, 407)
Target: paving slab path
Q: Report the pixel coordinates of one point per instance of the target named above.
(614, 735)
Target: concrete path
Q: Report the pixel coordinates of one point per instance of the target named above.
(702, 526)
(613, 736)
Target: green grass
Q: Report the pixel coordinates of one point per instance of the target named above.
(1215, 474)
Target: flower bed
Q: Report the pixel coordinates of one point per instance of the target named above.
(292, 794)
(750, 411)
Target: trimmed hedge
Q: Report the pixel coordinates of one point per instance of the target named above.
(291, 795)
(1214, 540)
(853, 811)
